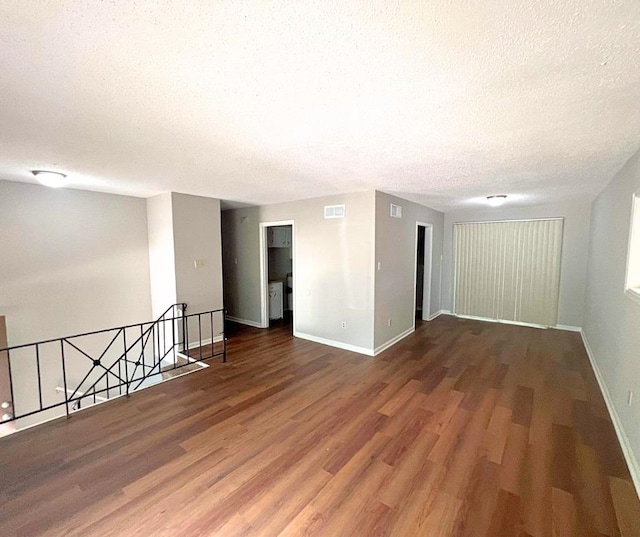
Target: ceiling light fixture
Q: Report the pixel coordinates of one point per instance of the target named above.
(50, 179)
(496, 201)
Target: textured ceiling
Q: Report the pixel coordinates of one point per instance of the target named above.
(261, 102)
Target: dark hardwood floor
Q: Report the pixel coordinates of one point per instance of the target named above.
(462, 429)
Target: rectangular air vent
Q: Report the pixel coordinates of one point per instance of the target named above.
(334, 211)
(396, 211)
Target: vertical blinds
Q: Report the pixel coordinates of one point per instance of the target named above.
(508, 270)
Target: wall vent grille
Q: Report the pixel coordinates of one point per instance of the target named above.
(396, 211)
(334, 211)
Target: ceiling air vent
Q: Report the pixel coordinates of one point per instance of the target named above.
(334, 211)
(396, 211)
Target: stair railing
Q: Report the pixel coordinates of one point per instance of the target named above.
(121, 360)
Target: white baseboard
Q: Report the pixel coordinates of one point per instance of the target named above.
(199, 343)
(632, 462)
(333, 343)
(516, 323)
(437, 314)
(501, 321)
(244, 321)
(393, 341)
(568, 328)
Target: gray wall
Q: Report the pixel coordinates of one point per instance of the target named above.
(612, 319)
(333, 266)
(197, 236)
(71, 261)
(183, 229)
(574, 250)
(395, 240)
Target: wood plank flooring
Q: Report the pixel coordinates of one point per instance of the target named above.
(462, 429)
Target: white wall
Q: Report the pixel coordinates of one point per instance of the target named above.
(162, 266)
(333, 267)
(612, 319)
(575, 247)
(395, 240)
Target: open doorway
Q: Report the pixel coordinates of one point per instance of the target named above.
(277, 260)
(422, 291)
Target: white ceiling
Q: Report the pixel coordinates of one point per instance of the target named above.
(261, 102)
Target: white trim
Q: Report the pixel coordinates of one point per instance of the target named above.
(632, 463)
(244, 321)
(199, 343)
(264, 270)
(633, 293)
(333, 343)
(568, 328)
(191, 360)
(393, 341)
(629, 286)
(437, 314)
(501, 321)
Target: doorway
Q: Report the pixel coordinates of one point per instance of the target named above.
(423, 271)
(277, 269)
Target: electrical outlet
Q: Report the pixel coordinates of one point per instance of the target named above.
(343, 324)
(630, 398)
(379, 265)
(388, 322)
(198, 263)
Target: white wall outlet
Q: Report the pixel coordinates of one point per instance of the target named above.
(235, 260)
(343, 324)
(379, 265)
(198, 263)
(388, 322)
(630, 398)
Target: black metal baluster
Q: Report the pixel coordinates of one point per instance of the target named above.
(173, 340)
(13, 399)
(200, 334)
(39, 375)
(124, 357)
(213, 348)
(186, 337)
(64, 378)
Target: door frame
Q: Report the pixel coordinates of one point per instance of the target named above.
(428, 273)
(264, 271)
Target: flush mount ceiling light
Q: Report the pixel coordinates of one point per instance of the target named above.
(496, 201)
(50, 179)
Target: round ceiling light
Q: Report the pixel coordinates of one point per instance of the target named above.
(50, 179)
(496, 201)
